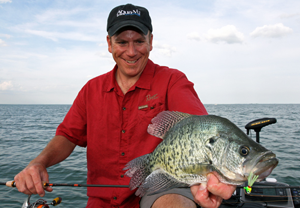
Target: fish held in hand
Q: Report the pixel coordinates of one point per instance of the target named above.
(194, 146)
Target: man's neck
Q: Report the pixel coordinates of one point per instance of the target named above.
(125, 82)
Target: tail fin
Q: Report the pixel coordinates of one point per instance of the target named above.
(138, 170)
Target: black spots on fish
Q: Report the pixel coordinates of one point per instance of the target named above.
(184, 145)
(151, 166)
(191, 153)
(186, 158)
(244, 150)
(165, 150)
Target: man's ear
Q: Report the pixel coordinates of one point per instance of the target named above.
(108, 39)
(151, 39)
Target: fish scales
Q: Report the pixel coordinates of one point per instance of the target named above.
(194, 146)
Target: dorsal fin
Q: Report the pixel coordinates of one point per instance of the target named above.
(164, 121)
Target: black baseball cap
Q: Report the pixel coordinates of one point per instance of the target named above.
(128, 15)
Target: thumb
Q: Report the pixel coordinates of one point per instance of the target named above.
(45, 178)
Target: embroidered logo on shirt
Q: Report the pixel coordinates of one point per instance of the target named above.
(153, 97)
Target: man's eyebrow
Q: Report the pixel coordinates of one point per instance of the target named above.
(117, 38)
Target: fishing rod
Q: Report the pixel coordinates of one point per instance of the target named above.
(42, 203)
(45, 184)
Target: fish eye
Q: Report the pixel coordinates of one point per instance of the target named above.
(244, 150)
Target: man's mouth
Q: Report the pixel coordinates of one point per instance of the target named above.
(131, 62)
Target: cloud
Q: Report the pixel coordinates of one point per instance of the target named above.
(194, 36)
(284, 16)
(104, 55)
(271, 31)
(228, 34)
(2, 43)
(55, 36)
(164, 48)
(5, 1)
(5, 35)
(5, 85)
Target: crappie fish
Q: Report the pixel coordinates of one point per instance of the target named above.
(194, 146)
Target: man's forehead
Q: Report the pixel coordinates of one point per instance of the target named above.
(129, 34)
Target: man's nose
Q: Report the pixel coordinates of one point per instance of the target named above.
(131, 51)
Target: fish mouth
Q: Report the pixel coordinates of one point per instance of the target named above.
(265, 163)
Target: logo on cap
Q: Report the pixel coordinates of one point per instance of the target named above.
(133, 12)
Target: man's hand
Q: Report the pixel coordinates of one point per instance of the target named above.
(211, 194)
(30, 180)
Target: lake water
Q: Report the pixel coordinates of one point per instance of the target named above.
(26, 129)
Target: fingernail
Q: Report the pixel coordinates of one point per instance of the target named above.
(208, 177)
(202, 186)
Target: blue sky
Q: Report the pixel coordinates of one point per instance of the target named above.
(234, 51)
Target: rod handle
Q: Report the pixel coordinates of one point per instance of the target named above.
(10, 184)
(13, 184)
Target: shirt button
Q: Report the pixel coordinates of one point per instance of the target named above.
(123, 131)
(123, 153)
(122, 176)
(115, 198)
(124, 108)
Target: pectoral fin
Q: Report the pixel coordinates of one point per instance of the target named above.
(158, 181)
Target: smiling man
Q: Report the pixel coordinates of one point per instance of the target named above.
(110, 116)
(130, 50)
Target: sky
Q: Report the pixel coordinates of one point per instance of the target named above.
(234, 51)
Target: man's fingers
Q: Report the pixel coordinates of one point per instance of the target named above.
(29, 181)
(219, 189)
(45, 178)
(212, 193)
(38, 184)
(204, 198)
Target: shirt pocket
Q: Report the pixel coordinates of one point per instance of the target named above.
(150, 110)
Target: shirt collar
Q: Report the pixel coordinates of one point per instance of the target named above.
(146, 77)
(144, 81)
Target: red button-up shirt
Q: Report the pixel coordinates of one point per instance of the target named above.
(113, 126)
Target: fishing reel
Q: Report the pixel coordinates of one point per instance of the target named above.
(40, 203)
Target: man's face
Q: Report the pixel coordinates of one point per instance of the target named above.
(130, 50)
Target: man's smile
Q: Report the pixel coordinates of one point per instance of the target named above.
(131, 62)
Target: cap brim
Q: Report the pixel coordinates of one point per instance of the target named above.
(118, 26)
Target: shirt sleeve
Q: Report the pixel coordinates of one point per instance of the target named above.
(74, 125)
(182, 96)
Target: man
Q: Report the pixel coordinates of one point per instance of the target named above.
(110, 116)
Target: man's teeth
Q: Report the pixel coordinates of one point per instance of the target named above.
(131, 62)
